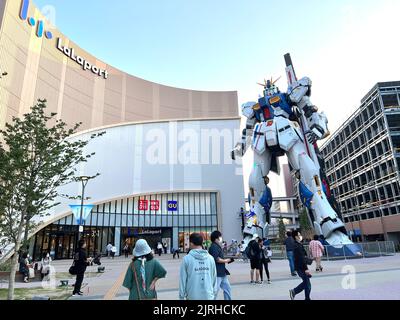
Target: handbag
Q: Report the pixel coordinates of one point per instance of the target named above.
(308, 260)
(137, 284)
(72, 270)
(31, 273)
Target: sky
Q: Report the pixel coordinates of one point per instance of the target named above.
(344, 46)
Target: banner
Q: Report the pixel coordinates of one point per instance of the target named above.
(76, 210)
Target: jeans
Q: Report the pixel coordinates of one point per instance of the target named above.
(305, 285)
(290, 256)
(265, 264)
(223, 283)
(78, 282)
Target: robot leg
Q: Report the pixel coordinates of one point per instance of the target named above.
(259, 194)
(326, 220)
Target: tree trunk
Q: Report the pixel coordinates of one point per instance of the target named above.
(14, 262)
(26, 234)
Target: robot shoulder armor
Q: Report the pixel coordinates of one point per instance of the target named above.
(305, 82)
(248, 109)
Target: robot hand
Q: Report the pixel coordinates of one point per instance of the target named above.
(311, 137)
(238, 151)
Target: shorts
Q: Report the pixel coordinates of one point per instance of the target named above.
(255, 264)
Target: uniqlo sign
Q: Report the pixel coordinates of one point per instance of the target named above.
(154, 205)
(143, 204)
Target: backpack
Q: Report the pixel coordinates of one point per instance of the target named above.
(249, 252)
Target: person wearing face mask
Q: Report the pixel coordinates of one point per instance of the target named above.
(300, 265)
(216, 251)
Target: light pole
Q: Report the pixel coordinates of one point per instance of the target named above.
(84, 180)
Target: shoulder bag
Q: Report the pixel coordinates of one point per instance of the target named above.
(137, 283)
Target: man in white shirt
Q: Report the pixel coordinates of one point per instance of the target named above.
(108, 248)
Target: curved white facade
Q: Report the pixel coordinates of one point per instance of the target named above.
(163, 157)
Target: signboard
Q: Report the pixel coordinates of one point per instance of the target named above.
(76, 210)
(146, 232)
(154, 205)
(143, 205)
(172, 206)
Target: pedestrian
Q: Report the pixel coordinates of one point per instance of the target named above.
(45, 266)
(126, 250)
(143, 273)
(198, 273)
(264, 260)
(254, 256)
(289, 244)
(301, 266)
(242, 246)
(222, 273)
(24, 267)
(165, 247)
(159, 248)
(108, 249)
(81, 262)
(317, 251)
(176, 253)
(113, 251)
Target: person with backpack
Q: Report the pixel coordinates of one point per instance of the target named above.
(264, 260)
(253, 252)
(143, 273)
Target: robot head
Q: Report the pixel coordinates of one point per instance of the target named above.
(270, 88)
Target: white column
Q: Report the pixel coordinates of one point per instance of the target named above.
(117, 239)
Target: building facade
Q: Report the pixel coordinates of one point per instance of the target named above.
(362, 164)
(164, 160)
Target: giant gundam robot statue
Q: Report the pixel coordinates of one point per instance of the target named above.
(288, 123)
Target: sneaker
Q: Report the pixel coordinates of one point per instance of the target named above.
(260, 282)
(292, 295)
(269, 281)
(294, 274)
(77, 294)
(252, 282)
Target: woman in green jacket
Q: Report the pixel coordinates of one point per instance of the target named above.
(143, 273)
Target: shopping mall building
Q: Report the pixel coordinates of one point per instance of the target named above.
(164, 159)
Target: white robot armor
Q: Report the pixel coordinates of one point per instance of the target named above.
(273, 129)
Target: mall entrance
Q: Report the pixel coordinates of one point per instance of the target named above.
(153, 236)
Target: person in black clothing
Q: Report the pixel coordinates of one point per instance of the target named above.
(81, 262)
(289, 244)
(301, 267)
(255, 259)
(176, 253)
(222, 273)
(263, 262)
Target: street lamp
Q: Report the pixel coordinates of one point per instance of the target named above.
(84, 180)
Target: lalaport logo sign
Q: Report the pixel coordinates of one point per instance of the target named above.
(69, 52)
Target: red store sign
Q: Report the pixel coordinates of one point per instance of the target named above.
(154, 205)
(143, 204)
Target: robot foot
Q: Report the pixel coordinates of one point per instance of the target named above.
(339, 241)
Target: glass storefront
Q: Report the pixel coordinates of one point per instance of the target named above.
(168, 217)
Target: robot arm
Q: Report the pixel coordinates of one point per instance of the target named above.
(317, 122)
(241, 147)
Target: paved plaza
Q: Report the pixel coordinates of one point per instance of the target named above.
(360, 279)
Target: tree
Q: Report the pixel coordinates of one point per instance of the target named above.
(304, 221)
(281, 230)
(36, 158)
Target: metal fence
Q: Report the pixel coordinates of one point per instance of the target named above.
(355, 251)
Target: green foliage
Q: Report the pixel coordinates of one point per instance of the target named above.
(282, 230)
(305, 226)
(35, 160)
